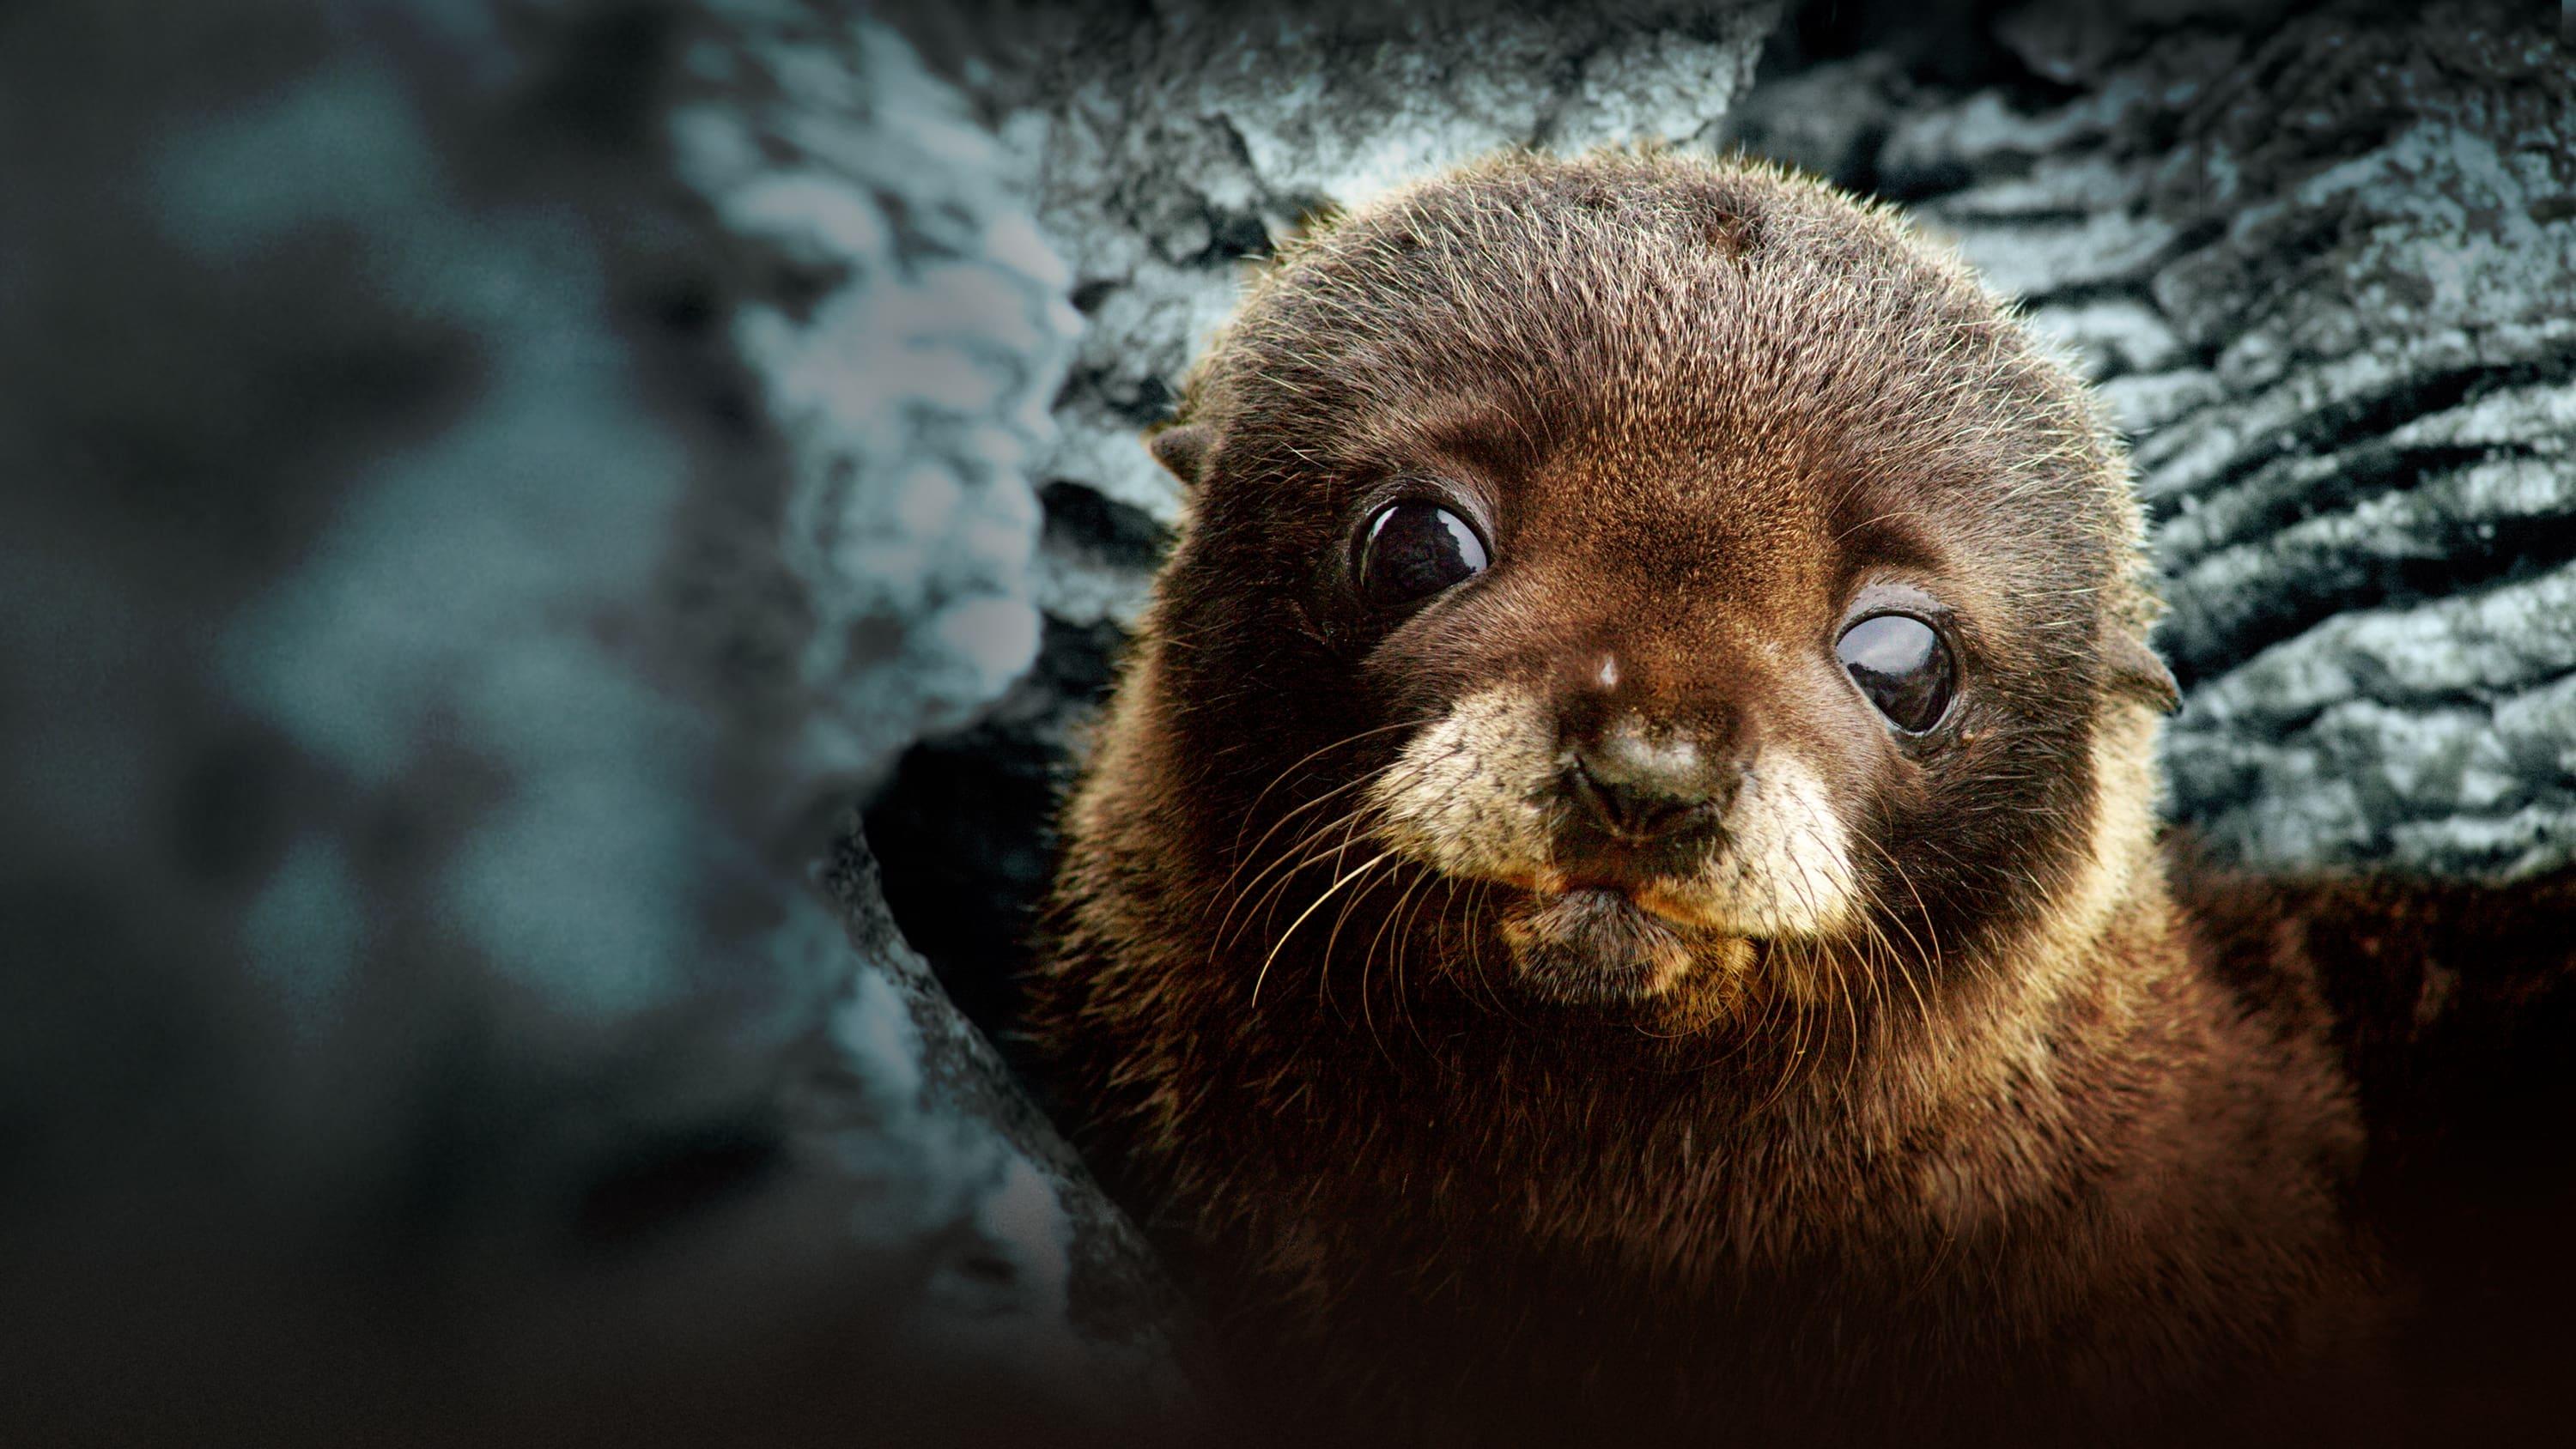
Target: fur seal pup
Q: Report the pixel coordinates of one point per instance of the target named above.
(1619, 888)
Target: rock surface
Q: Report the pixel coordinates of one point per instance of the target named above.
(504, 474)
(1174, 150)
(2320, 266)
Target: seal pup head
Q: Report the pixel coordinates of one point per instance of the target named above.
(1645, 579)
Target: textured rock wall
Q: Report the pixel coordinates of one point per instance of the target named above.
(2324, 265)
(1174, 150)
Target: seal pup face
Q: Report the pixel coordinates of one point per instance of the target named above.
(1640, 777)
(1665, 761)
(1670, 574)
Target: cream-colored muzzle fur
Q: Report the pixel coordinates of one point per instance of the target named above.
(1475, 792)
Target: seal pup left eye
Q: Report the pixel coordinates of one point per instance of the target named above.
(1410, 551)
(1901, 663)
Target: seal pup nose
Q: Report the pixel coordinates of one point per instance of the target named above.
(1641, 784)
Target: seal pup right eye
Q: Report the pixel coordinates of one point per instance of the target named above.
(1903, 666)
(1410, 551)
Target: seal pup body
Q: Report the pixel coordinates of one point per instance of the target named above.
(1619, 888)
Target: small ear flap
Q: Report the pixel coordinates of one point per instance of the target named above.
(2138, 672)
(1183, 448)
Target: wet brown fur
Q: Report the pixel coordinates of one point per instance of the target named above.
(2026, 1151)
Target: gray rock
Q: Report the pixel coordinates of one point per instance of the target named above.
(1828, 119)
(2110, 337)
(907, 349)
(2320, 264)
(2144, 403)
(2381, 516)
(503, 475)
(908, 368)
(1173, 150)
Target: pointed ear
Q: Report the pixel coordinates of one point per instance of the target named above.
(1183, 448)
(2138, 672)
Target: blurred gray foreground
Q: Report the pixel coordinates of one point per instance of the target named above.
(490, 485)
(493, 484)
(503, 475)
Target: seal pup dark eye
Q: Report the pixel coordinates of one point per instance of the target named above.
(1410, 551)
(1903, 666)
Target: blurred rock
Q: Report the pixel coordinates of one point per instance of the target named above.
(907, 327)
(501, 476)
(1830, 119)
